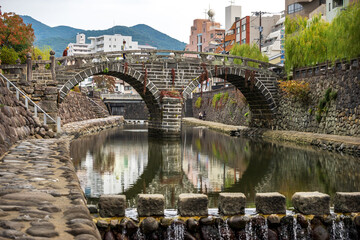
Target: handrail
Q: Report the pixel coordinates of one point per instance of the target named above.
(151, 54)
(96, 104)
(27, 100)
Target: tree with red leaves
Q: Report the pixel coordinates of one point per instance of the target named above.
(15, 34)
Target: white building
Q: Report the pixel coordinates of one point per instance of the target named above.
(112, 43)
(104, 43)
(232, 14)
(273, 46)
(80, 47)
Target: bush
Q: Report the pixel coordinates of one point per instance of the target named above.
(198, 102)
(295, 89)
(8, 56)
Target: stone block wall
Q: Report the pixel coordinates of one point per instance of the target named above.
(16, 123)
(341, 115)
(232, 110)
(77, 107)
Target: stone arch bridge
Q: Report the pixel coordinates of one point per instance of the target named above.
(164, 79)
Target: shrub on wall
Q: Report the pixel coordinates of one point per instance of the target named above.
(198, 102)
(296, 90)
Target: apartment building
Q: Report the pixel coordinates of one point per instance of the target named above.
(273, 45)
(112, 43)
(80, 47)
(304, 8)
(246, 31)
(205, 35)
(104, 43)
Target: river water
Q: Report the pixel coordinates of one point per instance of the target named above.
(125, 161)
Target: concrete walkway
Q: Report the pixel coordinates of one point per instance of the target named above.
(346, 144)
(40, 194)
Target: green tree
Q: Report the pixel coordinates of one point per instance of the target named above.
(344, 34)
(44, 52)
(15, 34)
(309, 42)
(8, 55)
(248, 51)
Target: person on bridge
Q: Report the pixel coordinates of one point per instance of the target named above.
(65, 52)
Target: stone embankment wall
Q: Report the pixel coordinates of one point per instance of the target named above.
(339, 116)
(230, 108)
(311, 218)
(16, 123)
(77, 107)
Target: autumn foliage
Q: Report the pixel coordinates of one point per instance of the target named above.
(296, 90)
(105, 82)
(15, 34)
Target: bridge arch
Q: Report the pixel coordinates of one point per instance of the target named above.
(258, 88)
(150, 95)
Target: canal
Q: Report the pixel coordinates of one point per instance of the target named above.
(125, 161)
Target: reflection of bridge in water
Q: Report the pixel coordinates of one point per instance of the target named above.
(210, 162)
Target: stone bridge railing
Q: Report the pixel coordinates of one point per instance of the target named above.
(134, 56)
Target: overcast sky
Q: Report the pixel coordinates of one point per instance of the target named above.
(173, 18)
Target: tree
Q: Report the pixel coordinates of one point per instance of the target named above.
(248, 51)
(15, 34)
(105, 82)
(44, 52)
(8, 56)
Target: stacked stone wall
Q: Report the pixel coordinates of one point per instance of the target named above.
(16, 123)
(341, 116)
(233, 111)
(77, 107)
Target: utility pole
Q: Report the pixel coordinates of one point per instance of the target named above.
(260, 26)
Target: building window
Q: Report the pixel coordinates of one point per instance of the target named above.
(329, 6)
(243, 41)
(293, 8)
(243, 27)
(109, 46)
(238, 30)
(114, 46)
(127, 88)
(338, 3)
(211, 35)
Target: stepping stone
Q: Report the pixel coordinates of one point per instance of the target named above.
(270, 203)
(311, 203)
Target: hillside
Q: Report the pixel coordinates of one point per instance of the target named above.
(59, 37)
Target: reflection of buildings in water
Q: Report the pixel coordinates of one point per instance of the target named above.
(129, 163)
(207, 173)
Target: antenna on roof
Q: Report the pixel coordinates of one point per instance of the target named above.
(232, 2)
(205, 13)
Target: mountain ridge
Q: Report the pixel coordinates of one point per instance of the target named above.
(60, 36)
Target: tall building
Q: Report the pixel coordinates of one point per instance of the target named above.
(333, 7)
(304, 8)
(232, 13)
(104, 43)
(205, 35)
(246, 30)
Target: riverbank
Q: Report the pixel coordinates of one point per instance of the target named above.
(346, 144)
(41, 196)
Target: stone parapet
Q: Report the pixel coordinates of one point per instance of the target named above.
(311, 203)
(150, 205)
(270, 203)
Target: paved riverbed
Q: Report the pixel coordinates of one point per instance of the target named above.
(40, 194)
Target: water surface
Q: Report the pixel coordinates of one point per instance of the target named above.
(125, 161)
